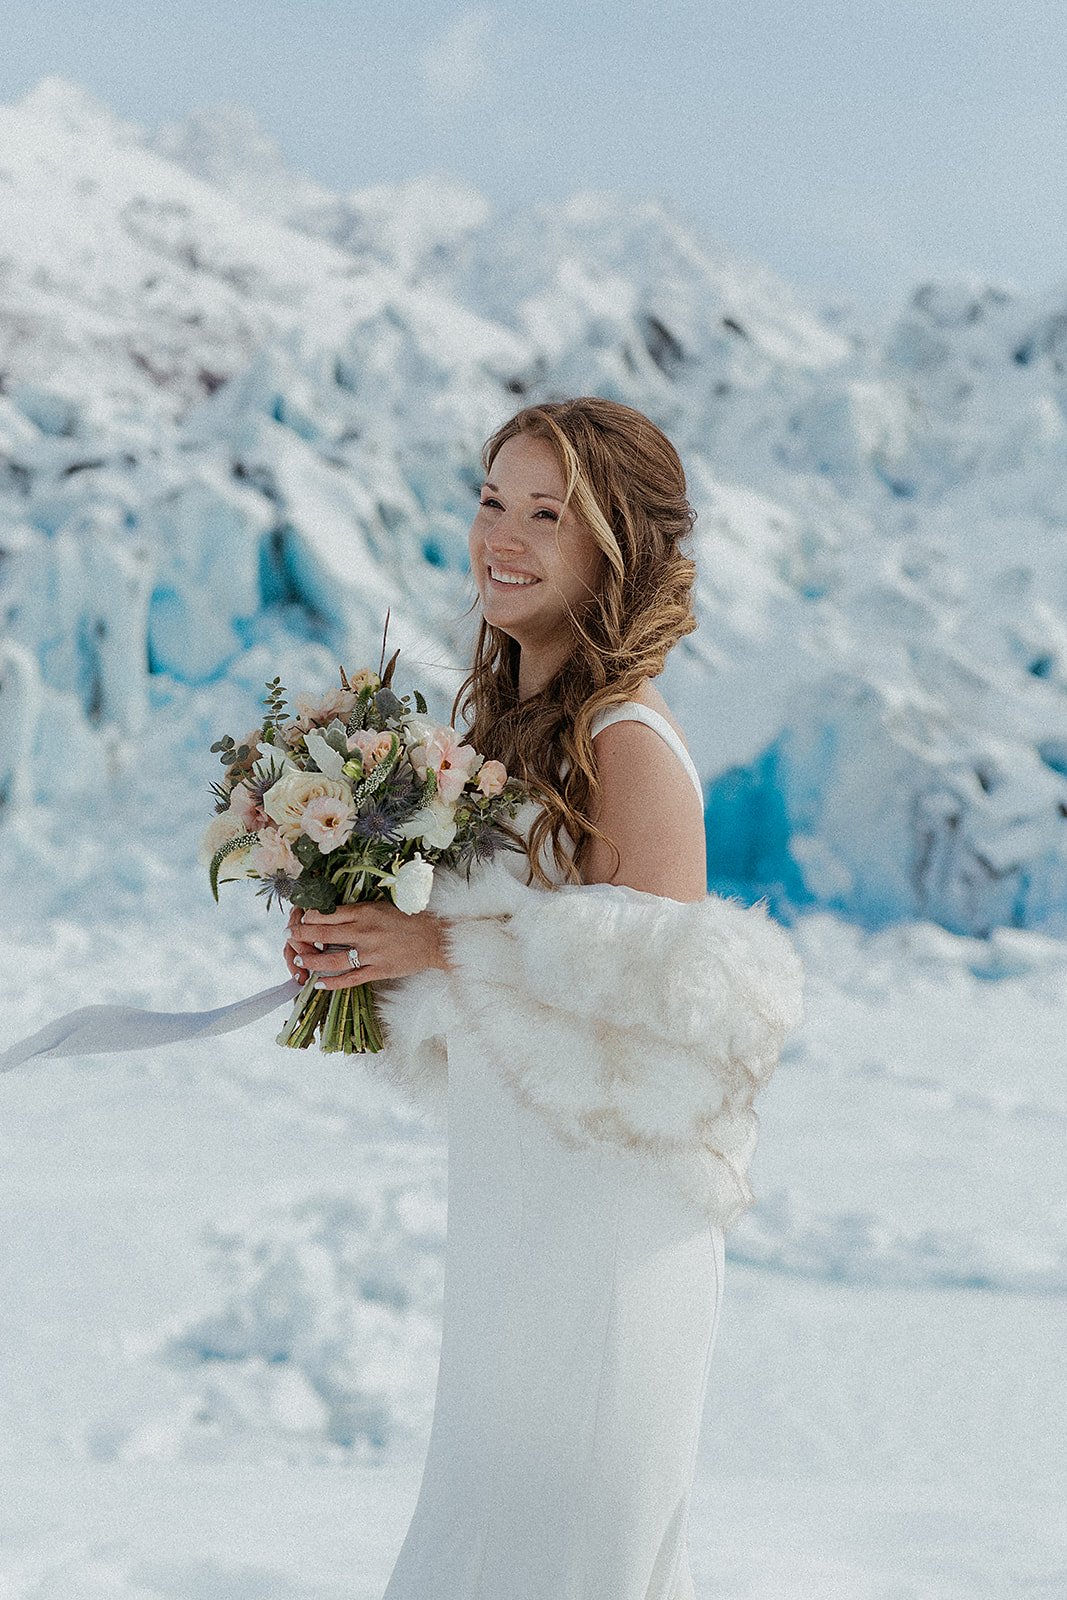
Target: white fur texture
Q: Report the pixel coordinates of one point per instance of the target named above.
(617, 1015)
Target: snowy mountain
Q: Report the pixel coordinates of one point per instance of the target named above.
(241, 415)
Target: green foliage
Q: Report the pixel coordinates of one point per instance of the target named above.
(381, 774)
(336, 737)
(275, 701)
(386, 703)
(307, 852)
(315, 894)
(241, 841)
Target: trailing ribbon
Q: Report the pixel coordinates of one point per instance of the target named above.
(99, 1030)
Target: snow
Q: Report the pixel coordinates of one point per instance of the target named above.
(240, 417)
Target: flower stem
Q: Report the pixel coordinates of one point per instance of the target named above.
(305, 1017)
(345, 1019)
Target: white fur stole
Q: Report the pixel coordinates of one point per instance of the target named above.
(617, 1015)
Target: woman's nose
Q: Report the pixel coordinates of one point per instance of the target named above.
(502, 536)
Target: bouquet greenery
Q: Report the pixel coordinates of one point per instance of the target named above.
(357, 797)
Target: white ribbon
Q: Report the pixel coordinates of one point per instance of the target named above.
(99, 1030)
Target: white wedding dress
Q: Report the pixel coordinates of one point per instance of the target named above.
(581, 1306)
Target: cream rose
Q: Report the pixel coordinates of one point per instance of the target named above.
(285, 801)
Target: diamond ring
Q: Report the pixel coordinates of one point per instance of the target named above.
(353, 958)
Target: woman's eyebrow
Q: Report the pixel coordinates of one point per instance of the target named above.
(537, 496)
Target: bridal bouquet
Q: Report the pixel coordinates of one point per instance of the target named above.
(357, 797)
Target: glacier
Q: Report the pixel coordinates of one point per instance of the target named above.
(228, 395)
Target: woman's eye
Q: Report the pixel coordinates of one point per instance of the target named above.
(544, 511)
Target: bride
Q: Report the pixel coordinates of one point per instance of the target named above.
(592, 1025)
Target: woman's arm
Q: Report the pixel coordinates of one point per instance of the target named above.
(648, 807)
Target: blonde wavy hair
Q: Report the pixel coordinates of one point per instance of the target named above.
(625, 481)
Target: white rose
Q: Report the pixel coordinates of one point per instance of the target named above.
(411, 885)
(285, 800)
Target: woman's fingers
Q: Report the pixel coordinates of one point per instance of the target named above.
(327, 933)
(390, 944)
(330, 961)
(294, 971)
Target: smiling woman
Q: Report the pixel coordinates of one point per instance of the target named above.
(577, 554)
(594, 1035)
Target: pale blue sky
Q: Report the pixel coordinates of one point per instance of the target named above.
(853, 148)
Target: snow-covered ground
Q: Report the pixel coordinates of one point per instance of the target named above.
(238, 418)
(221, 1281)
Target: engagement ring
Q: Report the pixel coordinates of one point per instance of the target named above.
(353, 958)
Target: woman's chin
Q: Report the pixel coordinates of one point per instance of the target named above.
(497, 602)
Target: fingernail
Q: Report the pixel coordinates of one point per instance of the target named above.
(298, 961)
(319, 946)
(319, 984)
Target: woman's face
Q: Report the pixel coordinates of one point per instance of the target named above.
(518, 531)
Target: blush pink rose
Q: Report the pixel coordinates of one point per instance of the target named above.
(329, 822)
(274, 854)
(492, 777)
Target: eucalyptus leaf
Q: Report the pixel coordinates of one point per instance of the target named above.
(307, 851)
(315, 894)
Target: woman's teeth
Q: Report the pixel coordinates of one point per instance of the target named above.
(516, 582)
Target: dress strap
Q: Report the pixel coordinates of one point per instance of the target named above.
(634, 711)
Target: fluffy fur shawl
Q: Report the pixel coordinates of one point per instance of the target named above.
(616, 1015)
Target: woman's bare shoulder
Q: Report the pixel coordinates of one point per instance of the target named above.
(649, 695)
(647, 809)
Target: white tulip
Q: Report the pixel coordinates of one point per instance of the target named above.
(434, 824)
(273, 758)
(325, 757)
(420, 726)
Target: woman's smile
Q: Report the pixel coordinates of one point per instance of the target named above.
(501, 578)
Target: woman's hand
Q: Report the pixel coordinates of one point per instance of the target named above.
(391, 943)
